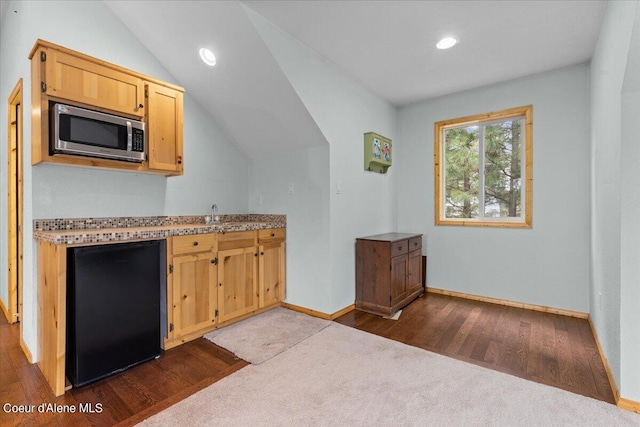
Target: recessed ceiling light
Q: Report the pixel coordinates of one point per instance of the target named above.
(207, 56)
(446, 43)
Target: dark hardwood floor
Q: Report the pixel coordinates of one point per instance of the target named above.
(126, 398)
(551, 349)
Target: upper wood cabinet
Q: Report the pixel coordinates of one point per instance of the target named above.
(164, 119)
(61, 74)
(76, 79)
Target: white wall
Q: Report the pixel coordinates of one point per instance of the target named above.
(344, 111)
(630, 249)
(547, 265)
(607, 75)
(366, 204)
(215, 171)
(307, 210)
(630, 225)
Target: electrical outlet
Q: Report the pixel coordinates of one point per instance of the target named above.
(338, 187)
(600, 300)
(291, 189)
(260, 200)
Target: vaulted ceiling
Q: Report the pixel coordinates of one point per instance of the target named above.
(390, 45)
(386, 45)
(246, 93)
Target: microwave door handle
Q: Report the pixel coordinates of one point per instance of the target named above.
(129, 137)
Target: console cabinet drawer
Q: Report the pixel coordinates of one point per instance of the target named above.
(415, 243)
(399, 248)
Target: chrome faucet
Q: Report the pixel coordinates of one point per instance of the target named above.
(213, 218)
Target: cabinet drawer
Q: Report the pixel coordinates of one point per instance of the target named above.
(271, 234)
(415, 243)
(193, 244)
(236, 240)
(399, 247)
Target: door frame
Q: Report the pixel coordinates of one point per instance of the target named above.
(15, 204)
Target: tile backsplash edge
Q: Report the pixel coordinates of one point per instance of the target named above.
(59, 224)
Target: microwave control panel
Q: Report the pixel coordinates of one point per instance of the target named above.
(138, 140)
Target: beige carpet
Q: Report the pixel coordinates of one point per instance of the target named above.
(259, 338)
(344, 377)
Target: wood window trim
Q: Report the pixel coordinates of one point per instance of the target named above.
(439, 127)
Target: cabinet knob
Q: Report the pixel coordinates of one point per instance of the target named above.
(273, 234)
(399, 248)
(256, 254)
(140, 106)
(195, 243)
(179, 160)
(261, 253)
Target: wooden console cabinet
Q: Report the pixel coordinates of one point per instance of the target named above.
(388, 272)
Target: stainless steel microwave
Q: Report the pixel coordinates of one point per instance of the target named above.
(83, 132)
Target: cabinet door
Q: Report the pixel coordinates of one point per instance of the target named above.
(164, 128)
(398, 279)
(271, 273)
(414, 272)
(76, 79)
(194, 292)
(237, 282)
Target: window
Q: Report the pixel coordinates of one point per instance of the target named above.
(483, 169)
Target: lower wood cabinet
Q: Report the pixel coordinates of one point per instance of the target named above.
(218, 278)
(194, 294)
(388, 272)
(212, 280)
(271, 266)
(237, 282)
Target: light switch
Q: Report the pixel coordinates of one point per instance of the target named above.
(260, 200)
(291, 190)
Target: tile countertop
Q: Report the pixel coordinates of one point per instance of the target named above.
(79, 231)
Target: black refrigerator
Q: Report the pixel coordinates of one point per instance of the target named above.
(113, 308)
